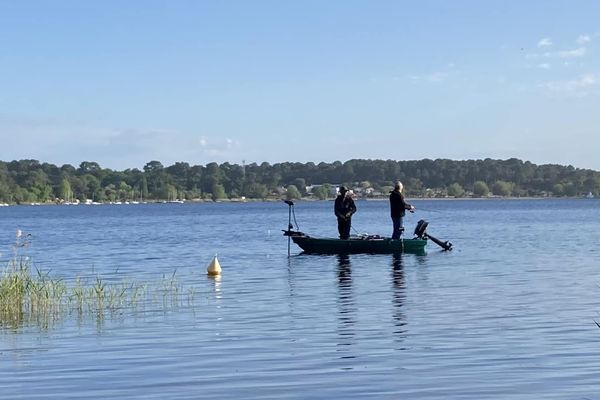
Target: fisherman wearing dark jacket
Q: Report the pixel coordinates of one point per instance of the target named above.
(398, 207)
(344, 208)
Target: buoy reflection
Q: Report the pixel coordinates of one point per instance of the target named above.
(216, 285)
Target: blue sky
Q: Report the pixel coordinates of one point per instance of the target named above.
(126, 82)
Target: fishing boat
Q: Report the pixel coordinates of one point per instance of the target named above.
(374, 244)
(357, 244)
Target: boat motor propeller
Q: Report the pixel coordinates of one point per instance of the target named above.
(420, 232)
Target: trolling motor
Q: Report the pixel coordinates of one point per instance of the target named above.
(291, 213)
(290, 232)
(291, 206)
(421, 234)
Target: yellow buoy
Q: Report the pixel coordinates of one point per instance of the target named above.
(214, 268)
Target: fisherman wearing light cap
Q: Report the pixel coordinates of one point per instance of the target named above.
(398, 207)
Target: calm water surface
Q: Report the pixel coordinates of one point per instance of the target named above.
(508, 314)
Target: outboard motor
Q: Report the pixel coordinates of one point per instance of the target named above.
(420, 228)
(420, 232)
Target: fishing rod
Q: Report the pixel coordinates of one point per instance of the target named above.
(355, 231)
(426, 209)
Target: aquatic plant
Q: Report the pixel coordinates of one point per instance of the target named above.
(29, 296)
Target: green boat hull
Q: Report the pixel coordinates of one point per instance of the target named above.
(353, 245)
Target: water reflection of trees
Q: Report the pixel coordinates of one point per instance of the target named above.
(346, 306)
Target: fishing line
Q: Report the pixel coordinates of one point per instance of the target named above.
(357, 232)
(427, 210)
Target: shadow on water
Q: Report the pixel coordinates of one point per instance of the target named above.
(346, 306)
(398, 296)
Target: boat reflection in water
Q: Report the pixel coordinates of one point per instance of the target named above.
(350, 319)
(346, 307)
(398, 296)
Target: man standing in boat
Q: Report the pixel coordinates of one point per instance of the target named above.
(344, 208)
(398, 207)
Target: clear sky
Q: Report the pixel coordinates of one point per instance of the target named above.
(126, 82)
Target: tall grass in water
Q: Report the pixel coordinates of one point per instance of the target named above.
(29, 297)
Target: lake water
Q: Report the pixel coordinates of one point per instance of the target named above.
(509, 313)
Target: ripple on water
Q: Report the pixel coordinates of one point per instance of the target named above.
(508, 314)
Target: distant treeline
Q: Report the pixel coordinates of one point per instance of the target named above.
(27, 181)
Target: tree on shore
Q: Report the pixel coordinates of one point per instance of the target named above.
(480, 189)
(456, 190)
(218, 192)
(65, 190)
(292, 192)
(322, 192)
(502, 188)
(31, 181)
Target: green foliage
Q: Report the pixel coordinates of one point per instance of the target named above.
(456, 190)
(31, 181)
(570, 189)
(65, 190)
(502, 188)
(322, 192)
(218, 192)
(558, 190)
(172, 192)
(29, 297)
(386, 189)
(257, 191)
(480, 189)
(34, 298)
(292, 192)
(144, 187)
(300, 184)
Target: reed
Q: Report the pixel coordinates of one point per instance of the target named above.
(29, 296)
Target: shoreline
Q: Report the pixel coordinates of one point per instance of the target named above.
(200, 201)
(485, 198)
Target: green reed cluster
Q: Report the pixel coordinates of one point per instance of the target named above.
(30, 297)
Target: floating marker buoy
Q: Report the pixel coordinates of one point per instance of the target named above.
(214, 268)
